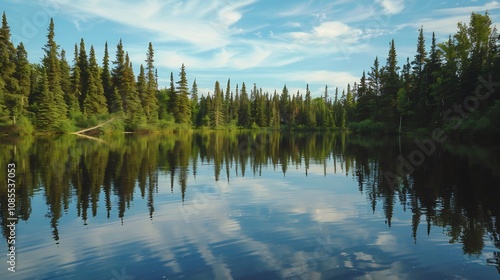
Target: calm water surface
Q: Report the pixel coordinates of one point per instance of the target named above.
(252, 206)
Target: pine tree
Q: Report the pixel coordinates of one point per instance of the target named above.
(236, 105)
(310, 116)
(150, 101)
(195, 107)
(274, 116)
(390, 87)
(118, 70)
(285, 105)
(227, 103)
(260, 117)
(418, 94)
(374, 78)
(217, 112)
(9, 86)
(47, 114)
(83, 66)
(75, 74)
(112, 98)
(51, 63)
(65, 76)
(172, 96)
(23, 77)
(182, 104)
(131, 101)
(94, 103)
(142, 87)
(244, 112)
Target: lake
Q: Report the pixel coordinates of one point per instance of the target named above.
(254, 205)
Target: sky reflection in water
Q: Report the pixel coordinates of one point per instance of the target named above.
(149, 207)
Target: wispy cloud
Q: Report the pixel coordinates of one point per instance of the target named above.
(493, 5)
(444, 21)
(206, 28)
(392, 6)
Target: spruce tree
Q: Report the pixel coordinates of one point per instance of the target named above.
(172, 96)
(65, 75)
(112, 98)
(244, 112)
(142, 87)
(51, 64)
(390, 87)
(182, 103)
(131, 101)
(310, 116)
(23, 77)
(236, 105)
(227, 102)
(83, 65)
(195, 107)
(47, 114)
(217, 112)
(94, 103)
(285, 105)
(9, 86)
(118, 73)
(150, 101)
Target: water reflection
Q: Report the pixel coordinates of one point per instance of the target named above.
(455, 191)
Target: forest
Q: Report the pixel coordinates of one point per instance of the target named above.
(451, 85)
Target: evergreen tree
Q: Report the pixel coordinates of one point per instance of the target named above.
(236, 105)
(94, 103)
(150, 102)
(51, 63)
(23, 77)
(9, 86)
(310, 116)
(73, 96)
(285, 105)
(142, 87)
(131, 101)
(260, 112)
(47, 114)
(83, 66)
(418, 93)
(374, 79)
(274, 116)
(112, 98)
(244, 112)
(217, 112)
(195, 106)
(182, 103)
(390, 86)
(171, 96)
(65, 77)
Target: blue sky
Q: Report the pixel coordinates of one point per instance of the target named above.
(270, 43)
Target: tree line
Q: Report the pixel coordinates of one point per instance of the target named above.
(435, 89)
(451, 87)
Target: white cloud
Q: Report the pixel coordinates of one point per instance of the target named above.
(391, 6)
(326, 33)
(206, 28)
(444, 21)
(493, 5)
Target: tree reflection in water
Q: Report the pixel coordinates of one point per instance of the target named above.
(455, 189)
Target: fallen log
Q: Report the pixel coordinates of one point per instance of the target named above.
(94, 127)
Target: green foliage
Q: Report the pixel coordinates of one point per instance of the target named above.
(56, 97)
(369, 127)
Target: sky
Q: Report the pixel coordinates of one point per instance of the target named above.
(269, 43)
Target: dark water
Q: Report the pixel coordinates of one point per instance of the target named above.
(251, 206)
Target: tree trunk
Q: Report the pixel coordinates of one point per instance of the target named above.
(92, 128)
